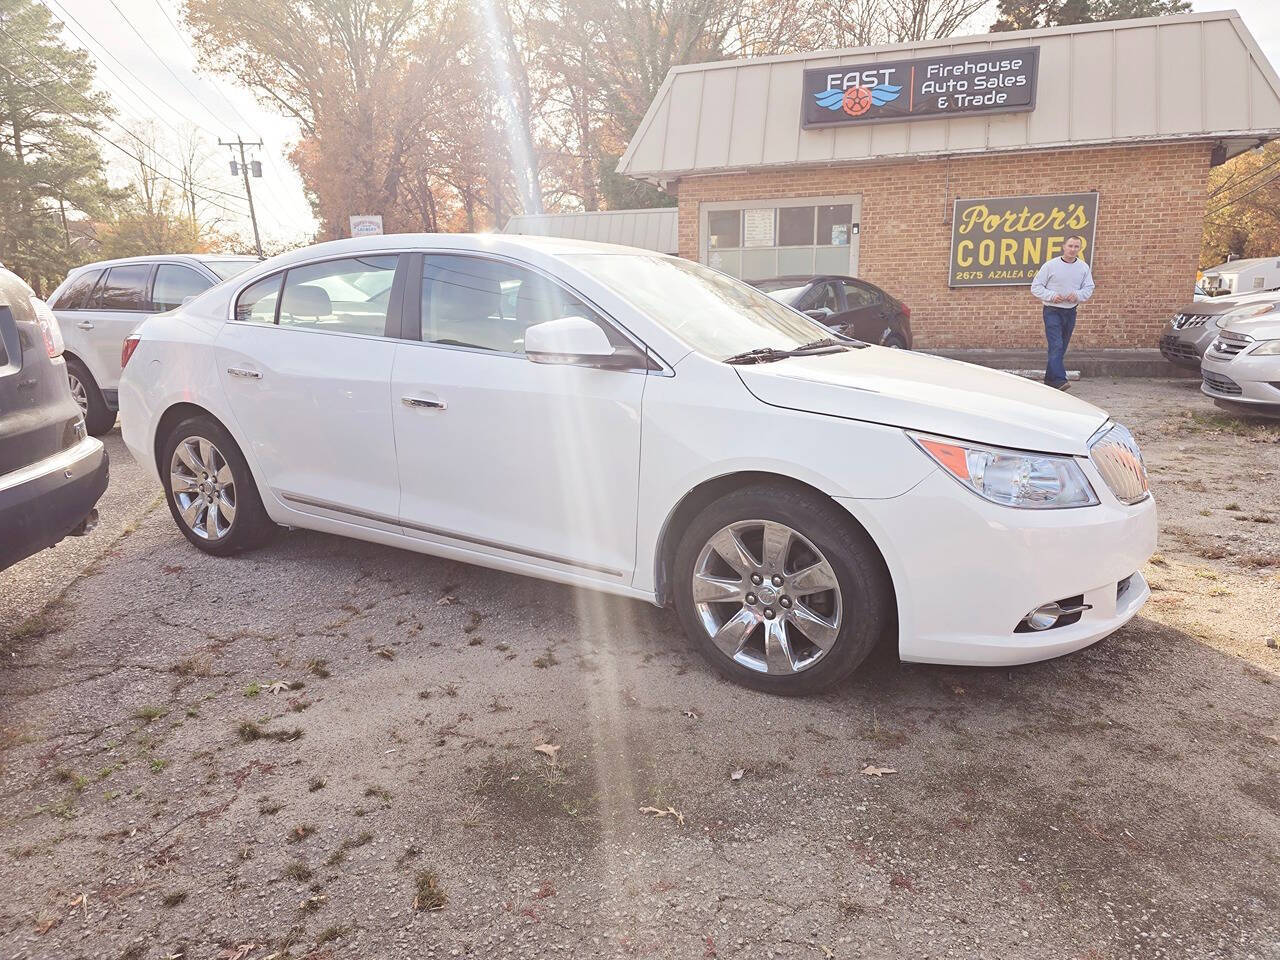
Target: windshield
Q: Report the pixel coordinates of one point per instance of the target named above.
(226, 269)
(787, 291)
(713, 313)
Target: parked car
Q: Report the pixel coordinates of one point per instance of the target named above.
(98, 304)
(853, 308)
(1187, 336)
(636, 423)
(51, 472)
(1241, 368)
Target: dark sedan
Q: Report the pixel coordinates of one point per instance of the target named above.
(846, 305)
(1193, 328)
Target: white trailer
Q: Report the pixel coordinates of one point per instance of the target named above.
(1242, 276)
(655, 228)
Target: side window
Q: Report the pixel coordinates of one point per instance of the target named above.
(488, 304)
(349, 295)
(821, 297)
(175, 283)
(76, 296)
(125, 287)
(856, 295)
(257, 303)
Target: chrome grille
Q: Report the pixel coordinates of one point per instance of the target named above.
(1119, 460)
(1174, 349)
(1220, 384)
(1230, 344)
(1182, 321)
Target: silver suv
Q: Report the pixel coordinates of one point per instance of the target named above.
(99, 304)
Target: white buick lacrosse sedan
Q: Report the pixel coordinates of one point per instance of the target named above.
(640, 424)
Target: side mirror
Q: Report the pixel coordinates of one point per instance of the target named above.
(821, 314)
(568, 340)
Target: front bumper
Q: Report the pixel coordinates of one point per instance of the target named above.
(967, 571)
(42, 503)
(1243, 381)
(1186, 347)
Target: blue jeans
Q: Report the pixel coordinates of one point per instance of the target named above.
(1058, 324)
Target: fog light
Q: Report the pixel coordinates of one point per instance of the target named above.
(1049, 615)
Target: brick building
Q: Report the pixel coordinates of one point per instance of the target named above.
(947, 171)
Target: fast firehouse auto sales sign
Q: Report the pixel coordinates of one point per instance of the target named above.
(962, 84)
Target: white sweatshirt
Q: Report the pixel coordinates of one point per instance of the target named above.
(1058, 276)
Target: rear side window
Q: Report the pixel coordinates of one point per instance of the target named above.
(257, 304)
(175, 283)
(125, 287)
(349, 295)
(856, 295)
(76, 295)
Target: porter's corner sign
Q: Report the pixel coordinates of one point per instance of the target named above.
(1003, 241)
(997, 81)
(366, 225)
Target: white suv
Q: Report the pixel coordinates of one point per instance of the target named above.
(98, 305)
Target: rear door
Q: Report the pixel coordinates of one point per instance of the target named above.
(119, 302)
(306, 366)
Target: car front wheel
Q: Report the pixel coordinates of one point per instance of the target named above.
(210, 490)
(780, 590)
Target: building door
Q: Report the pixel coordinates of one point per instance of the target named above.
(758, 240)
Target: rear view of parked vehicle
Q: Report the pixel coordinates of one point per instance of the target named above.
(51, 472)
(100, 303)
(1241, 369)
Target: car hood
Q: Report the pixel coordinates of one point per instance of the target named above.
(1263, 328)
(930, 394)
(1219, 305)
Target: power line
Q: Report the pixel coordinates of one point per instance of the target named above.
(1233, 202)
(127, 132)
(1241, 179)
(102, 136)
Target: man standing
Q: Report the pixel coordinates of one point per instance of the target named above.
(1061, 285)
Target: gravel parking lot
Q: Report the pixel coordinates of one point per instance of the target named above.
(332, 749)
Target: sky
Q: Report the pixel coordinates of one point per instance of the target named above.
(154, 77)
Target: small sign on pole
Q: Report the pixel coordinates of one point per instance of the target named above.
(366, 225)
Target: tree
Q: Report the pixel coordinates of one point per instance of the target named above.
(1033, 14)
(51, 171)
(1242, 218)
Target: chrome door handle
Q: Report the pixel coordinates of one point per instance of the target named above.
(424, 402)
(244, 374)
(85, 324)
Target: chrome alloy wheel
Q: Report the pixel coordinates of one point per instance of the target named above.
(203, 488)
(767, 597)
(79, 393)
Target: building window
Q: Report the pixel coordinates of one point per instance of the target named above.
(724, 229)
(795, 226)
(835, 224)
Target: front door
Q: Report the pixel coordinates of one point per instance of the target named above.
(864, 312)
(498, 453)
(306, 367)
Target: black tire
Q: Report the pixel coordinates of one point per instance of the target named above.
(895, 341)
(865, 590)
(98, 417)
(250, 526)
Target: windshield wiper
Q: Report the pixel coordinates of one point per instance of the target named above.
(770, 354)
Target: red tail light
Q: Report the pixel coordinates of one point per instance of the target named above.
(906, 312)
(130, 344)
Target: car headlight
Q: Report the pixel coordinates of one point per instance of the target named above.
(1012, 478)
(1247, 312)
(1267, 348)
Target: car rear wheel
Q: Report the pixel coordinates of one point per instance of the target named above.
(895, 342)
(780, 590)
(98, 417)
(210, 489)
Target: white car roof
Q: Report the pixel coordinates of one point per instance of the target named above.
(164, 258)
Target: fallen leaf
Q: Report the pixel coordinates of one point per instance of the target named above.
(827, 951)
(692, 715)
(958, 691)
(447, 601)
(669, 812)
(871, 771)
(386, 653)
(238, 953)
(737, 774)
(552, 750)
(279, 686)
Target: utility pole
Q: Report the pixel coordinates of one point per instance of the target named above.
(244, 169)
